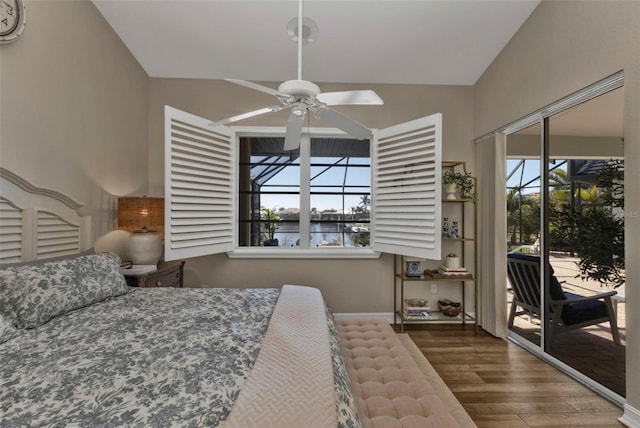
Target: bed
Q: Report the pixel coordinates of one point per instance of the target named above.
(126, 362)
(81, 348)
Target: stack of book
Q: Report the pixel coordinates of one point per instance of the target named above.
(453, 271)
(416, 312)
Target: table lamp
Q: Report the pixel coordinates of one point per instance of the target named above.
(142, 216)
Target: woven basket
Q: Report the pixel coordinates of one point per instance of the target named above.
(449, 308)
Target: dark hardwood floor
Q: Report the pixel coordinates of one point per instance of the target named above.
(502, 385)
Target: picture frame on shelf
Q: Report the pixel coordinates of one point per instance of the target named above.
(412, 269)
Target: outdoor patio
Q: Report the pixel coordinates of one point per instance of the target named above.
(590, 350)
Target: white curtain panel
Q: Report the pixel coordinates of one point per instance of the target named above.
(492, 225)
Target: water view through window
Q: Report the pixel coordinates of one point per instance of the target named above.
(338, 190)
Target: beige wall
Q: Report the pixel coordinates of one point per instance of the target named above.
(73, 108)
(348, 285)
(562, 47)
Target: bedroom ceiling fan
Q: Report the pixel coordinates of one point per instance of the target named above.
(304, 97)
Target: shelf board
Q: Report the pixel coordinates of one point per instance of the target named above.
(442, 277)
(432, 278)
(436, 316)
(458, 239)
(411, 278)
(452, 163)
(457, 200)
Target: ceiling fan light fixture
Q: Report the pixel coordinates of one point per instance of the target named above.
(310, 30)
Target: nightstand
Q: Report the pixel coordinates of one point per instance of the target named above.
(169, 274)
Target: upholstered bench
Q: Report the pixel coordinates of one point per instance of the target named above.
(390, 388)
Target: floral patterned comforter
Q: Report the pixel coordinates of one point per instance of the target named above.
(159, 357)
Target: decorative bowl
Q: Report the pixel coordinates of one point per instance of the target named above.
(449, 308)
(415, 302)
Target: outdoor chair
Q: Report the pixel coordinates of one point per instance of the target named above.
(568, 311)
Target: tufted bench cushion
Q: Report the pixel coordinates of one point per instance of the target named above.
(389, 387)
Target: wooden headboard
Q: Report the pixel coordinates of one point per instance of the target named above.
(38, 223)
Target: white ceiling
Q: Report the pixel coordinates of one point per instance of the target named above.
(360, 41)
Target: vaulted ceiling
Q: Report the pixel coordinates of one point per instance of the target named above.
(360, 41)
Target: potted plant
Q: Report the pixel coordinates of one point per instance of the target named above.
(457, 184)
(271, 217)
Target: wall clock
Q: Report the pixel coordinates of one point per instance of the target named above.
(12, 20)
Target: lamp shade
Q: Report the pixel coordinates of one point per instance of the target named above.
(140, 213)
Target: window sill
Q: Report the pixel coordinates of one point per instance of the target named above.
(297, 253)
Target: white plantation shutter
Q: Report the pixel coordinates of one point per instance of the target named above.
(199, 186)
(407, 188)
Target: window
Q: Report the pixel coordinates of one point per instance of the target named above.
(334, 196)
(270, 193)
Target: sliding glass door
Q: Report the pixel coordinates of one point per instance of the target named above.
(565, 234)
(585, 236)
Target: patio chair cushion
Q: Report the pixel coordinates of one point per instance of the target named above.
(555, 289)
(575, 313)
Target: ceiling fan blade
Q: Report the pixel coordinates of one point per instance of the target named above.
(246, 115)
(365, 97)
(294, 132)
(257, 87)
(341, 121)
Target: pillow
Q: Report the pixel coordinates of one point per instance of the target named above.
(35, 293)
(555, 289)
(5, 303)
(7, 329)
(8, 298)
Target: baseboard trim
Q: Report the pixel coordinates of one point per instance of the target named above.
(631, 416)
(388, 316)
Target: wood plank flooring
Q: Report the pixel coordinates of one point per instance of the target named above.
(502, 385)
